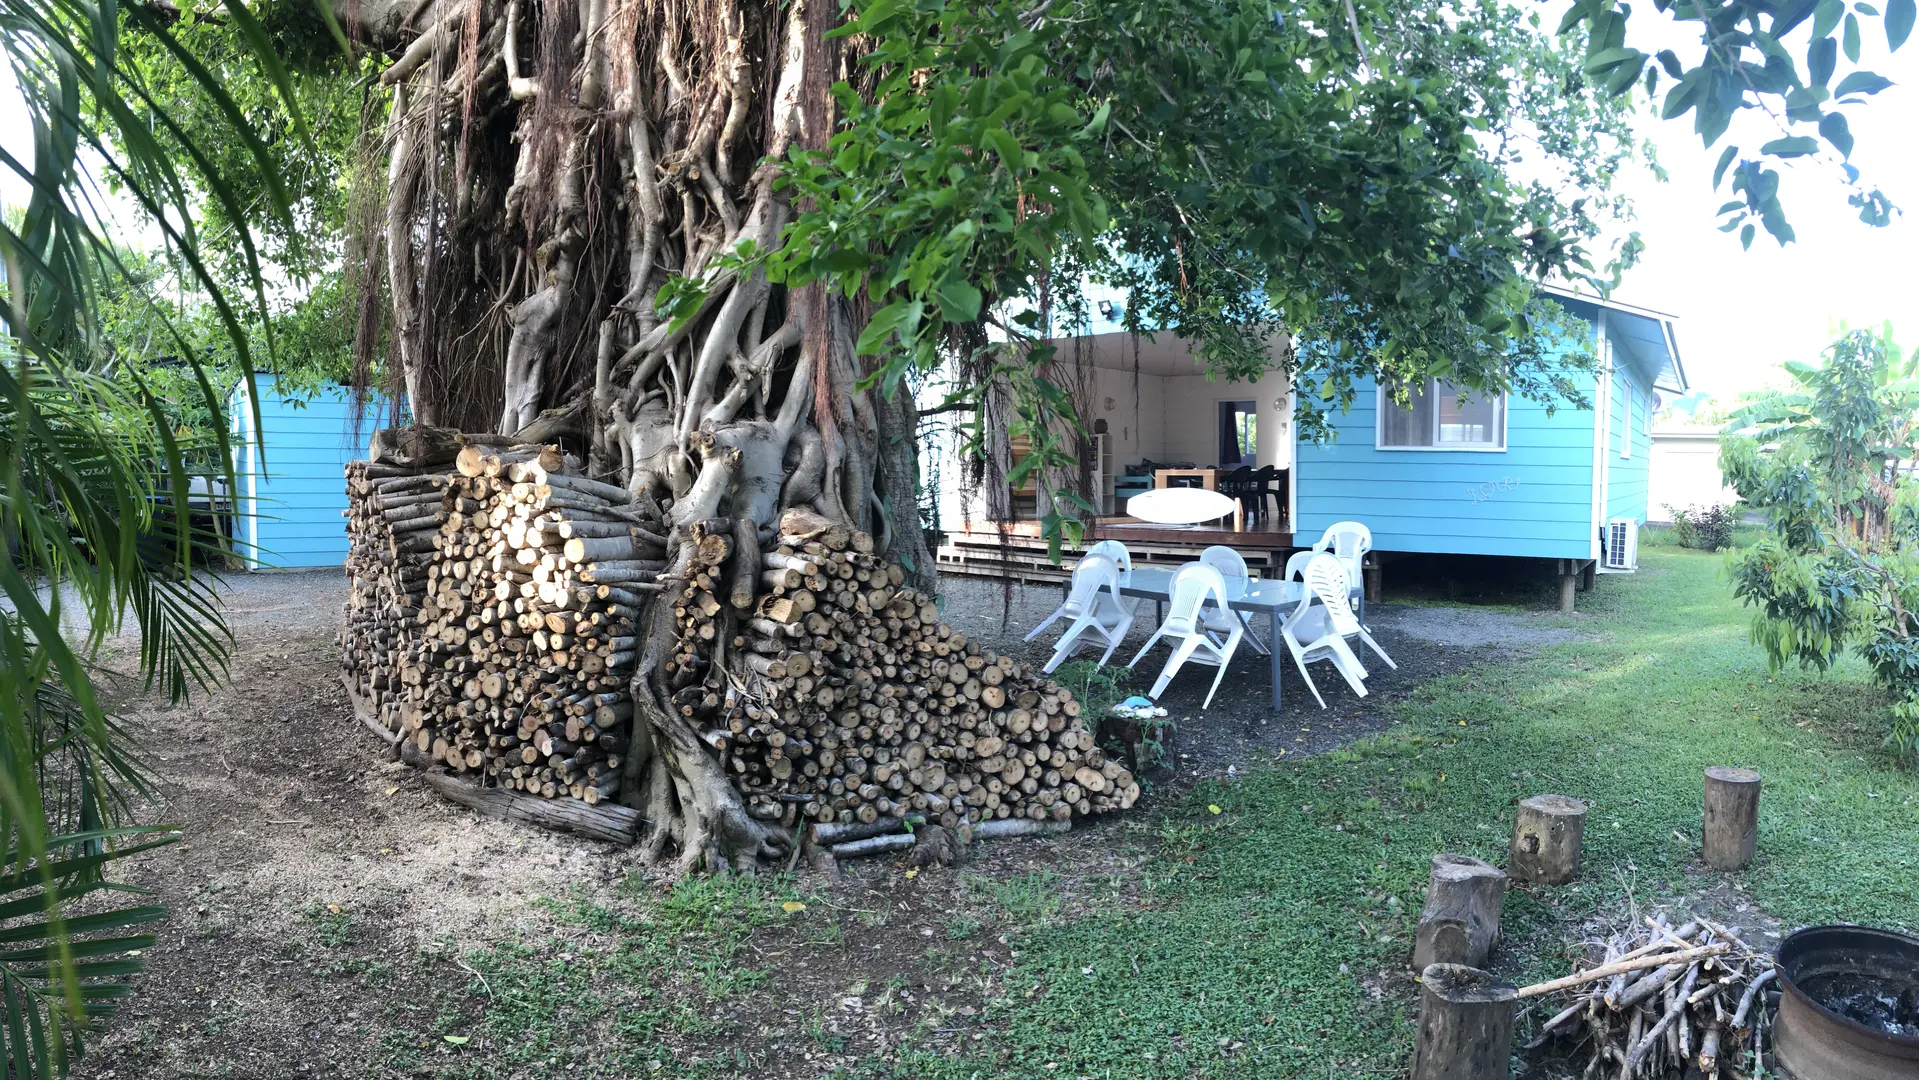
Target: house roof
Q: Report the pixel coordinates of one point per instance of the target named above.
(1644, 338)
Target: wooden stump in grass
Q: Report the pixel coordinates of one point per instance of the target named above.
(1465, 1025)
(1549, 833)
(1732, 817)
(1460, 921)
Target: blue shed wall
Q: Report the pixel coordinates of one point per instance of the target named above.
(291, 502)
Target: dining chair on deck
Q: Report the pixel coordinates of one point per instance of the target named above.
(1239, 485)
(1263, 489)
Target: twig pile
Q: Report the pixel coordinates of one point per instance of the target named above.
(490, 619)
(1665, 999)
(856, 703)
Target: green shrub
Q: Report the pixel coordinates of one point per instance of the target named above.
(1708, 528)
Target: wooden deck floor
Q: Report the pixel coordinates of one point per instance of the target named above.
(979, 550)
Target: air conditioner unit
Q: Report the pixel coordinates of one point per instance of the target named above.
(1622, 546)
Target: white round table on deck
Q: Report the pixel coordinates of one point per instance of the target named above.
(1185, 506)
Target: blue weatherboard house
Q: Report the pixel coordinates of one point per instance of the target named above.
(291, 499)
(1501, 476)
(1445, 474)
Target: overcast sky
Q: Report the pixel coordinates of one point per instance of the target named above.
(1740, 312)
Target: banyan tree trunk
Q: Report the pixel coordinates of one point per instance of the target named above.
(557, 172)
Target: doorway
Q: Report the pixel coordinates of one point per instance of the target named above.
(1238, 433)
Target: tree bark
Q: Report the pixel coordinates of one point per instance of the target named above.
(1460, 921)
(1548, 840)
(1732, 817)
(1465, 1025)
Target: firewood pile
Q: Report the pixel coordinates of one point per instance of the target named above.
(494, 623)
(490, 616)
(1664, 1000)
(856, 703)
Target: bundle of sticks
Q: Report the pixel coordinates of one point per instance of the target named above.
(856, 703)
(491, 610)
(1663, 1000)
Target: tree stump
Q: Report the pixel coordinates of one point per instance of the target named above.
(1732, 817)
(1460, 922)
(1549, 832)
(1465, 1025)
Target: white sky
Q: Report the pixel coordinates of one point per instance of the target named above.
(1740, 312)
(1743, 312)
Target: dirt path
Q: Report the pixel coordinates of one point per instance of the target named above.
(322, 900)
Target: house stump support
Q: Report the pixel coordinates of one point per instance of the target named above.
(1460, 921)
(1568, 582)
(1549, 833)
(1732, 817)
(1589, 575)
(1465, 1025)
(1373, 581)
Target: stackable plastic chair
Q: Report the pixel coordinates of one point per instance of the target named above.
(1350, 541)
(1296, 565)
(1094, 605)
(1321, 624)
(1193, 586)
(1232, 568)
(1114, 550)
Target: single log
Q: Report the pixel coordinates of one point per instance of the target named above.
(1460, 921)
(830, 833)
(415, 447)
(1637, 963)
(1011, 827)
(1732, 817)
(1548, 837)
(873, 845)
(1465, 1025)
(608, 821)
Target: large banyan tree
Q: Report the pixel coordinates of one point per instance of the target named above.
(710, 246)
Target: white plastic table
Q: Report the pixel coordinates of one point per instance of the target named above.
(1275, 599)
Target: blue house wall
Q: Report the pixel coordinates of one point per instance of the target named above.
(291, 497)
(1546, 494)
(1534, 498)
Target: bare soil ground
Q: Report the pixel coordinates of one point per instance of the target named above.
(332, 918)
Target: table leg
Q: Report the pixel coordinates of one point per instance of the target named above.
(1159, 614)
(1276, 647)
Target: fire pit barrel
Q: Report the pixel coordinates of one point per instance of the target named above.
(1848, 1005)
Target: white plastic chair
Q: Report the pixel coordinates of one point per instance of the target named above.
(1116, 551)
(1296, 565)
(1094, 606)
(1232, 568)
(1321, 624)
(1350, 541)
(1192, 587)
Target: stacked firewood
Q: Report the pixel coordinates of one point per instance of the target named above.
(856, 703)
(1664, 1000)
(491, 613)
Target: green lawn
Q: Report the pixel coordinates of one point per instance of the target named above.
(1268, 929)
(1275, 914)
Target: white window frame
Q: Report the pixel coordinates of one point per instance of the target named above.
(1383, 401)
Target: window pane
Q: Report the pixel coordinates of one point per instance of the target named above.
(1466, 418)
(1410, 426)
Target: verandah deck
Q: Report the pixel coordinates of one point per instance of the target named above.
(977, 548)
